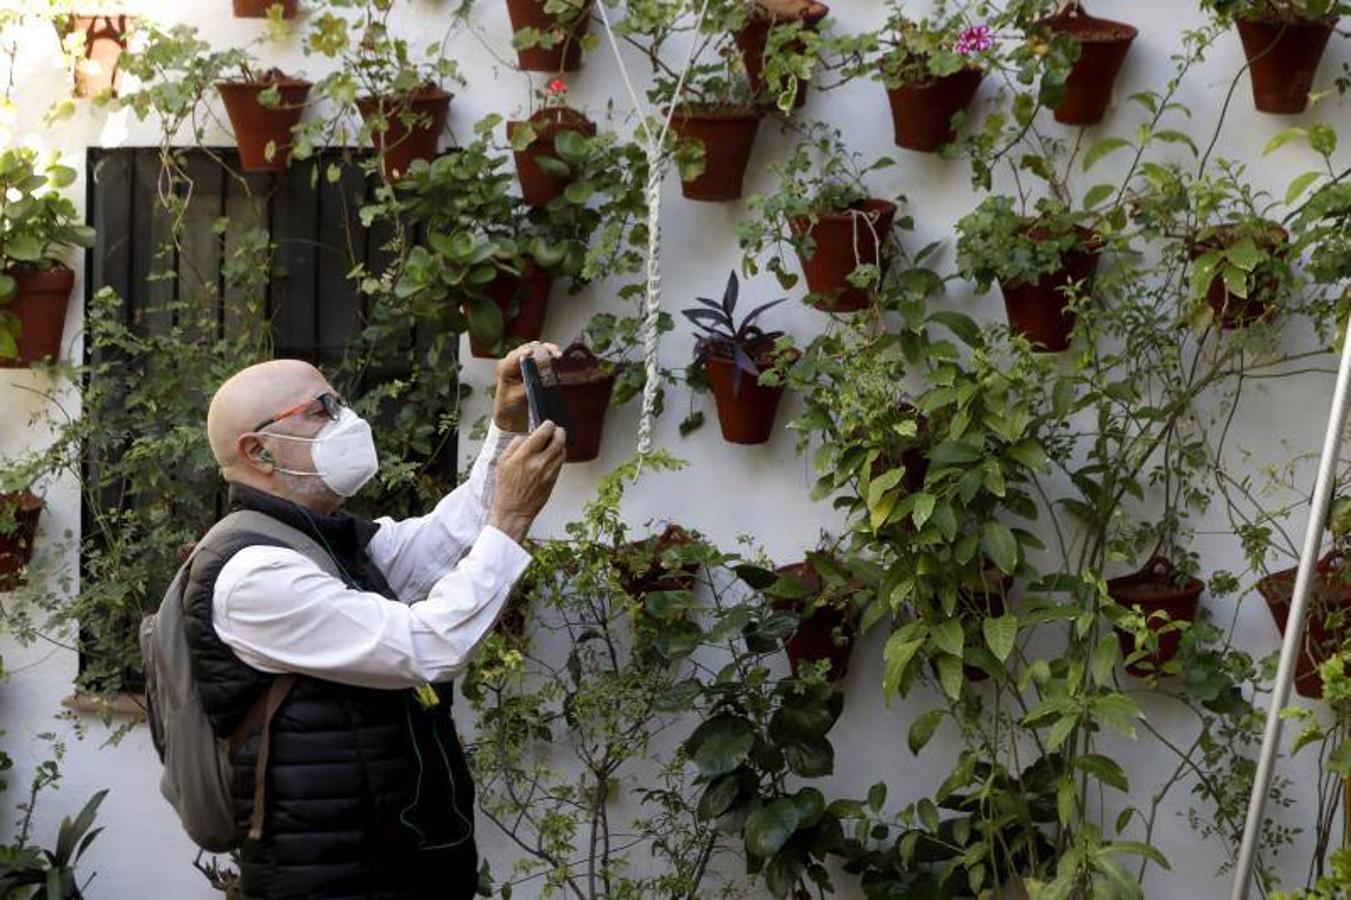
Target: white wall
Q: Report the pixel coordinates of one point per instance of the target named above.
(726, 490)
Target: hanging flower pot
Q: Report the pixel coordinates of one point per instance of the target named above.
(565, 54)
(16, 547)
(1151, 590)
(40, 305)
(727, 136)
(1040, 310)
(97, 66)
(257, 9)
(538, 185)
(523, 300)
(1103, 45)
(641, 571)
(1232, 311)
(987, 601)
(746, 408)
(406, 128)
(753, 41)
(921, 113)
(1283, 55)
(815, 636)
(1326, 626)
(587, 382)
(263, 132)
(843, 241)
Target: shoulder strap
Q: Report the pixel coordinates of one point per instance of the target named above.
(267, 704)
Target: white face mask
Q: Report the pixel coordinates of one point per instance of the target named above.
(343, 452)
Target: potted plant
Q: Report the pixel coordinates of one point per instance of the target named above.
(1240, 268)
(827, 626)
(838, 232)
(653, 563)
(549, 35)
(731, 356)
(96, 43)
(588, 384)
(931, 70)
(263, 109)
(405, 126)
(1163, 596)
(38, 228)
(1102, 47)
(774, 48)
(262, 9)
(19, 514)
(545, 171)
(1039, 261)
(1283, 41)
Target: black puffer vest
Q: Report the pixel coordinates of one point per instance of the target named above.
(368, 793)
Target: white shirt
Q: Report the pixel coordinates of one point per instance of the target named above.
(279, 612)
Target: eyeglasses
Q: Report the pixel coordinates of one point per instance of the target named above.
(331, 404)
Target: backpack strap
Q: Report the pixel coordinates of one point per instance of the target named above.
(269, 701)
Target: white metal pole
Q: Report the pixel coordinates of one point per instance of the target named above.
(1294, 627)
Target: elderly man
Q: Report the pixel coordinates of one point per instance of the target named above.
(367, 793)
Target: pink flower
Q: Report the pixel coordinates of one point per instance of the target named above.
(974, 40)
(556, 87)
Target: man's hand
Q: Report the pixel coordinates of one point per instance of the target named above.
(511, 410)
(526, 473)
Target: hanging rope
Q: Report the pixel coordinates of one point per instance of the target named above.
(656, 170)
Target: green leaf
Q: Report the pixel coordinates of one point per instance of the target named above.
(1001, 546)
(770, 827)
(949, 637)
(1097, 194)
(1299, 185)
(950, 675)
(923, 728)
(1283, 138)
(1000, 635)
(572, 146)
(1105, 770)
(898, 654)
(1103, 148)
(1105, 657)
(922, 508)
(579, 192)
(720, 744)
(718, 797)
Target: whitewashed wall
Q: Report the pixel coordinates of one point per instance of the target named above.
(726, 490)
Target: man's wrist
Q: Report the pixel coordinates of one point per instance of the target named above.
(513, 526)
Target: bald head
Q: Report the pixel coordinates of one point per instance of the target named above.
(252, 395)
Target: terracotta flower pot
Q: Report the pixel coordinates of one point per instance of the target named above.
(986, 602)
(105, 37)
(563, 56)
(753, 41)
(843, 242)
(1155, 589)
(257, 9)
(257, 127)
(40, 305)
(538, 187)
(814, 638)
(16, 547)
(1103, 45)
(413, 126)
(921, 113)
(746, 408)
(1039, 311)
(728, 136)
(1283, 55)
(588, 383)
(1232, 311)
(640, 565)
(529, 294)
(1327, 622)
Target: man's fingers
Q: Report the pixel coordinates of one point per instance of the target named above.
(538, 439)
(559, 439)
(513, 445)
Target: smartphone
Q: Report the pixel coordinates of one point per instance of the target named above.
(545, 396)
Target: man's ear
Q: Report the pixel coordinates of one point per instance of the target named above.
(253, 453)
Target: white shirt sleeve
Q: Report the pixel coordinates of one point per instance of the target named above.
(280, 612)
(414, 553)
